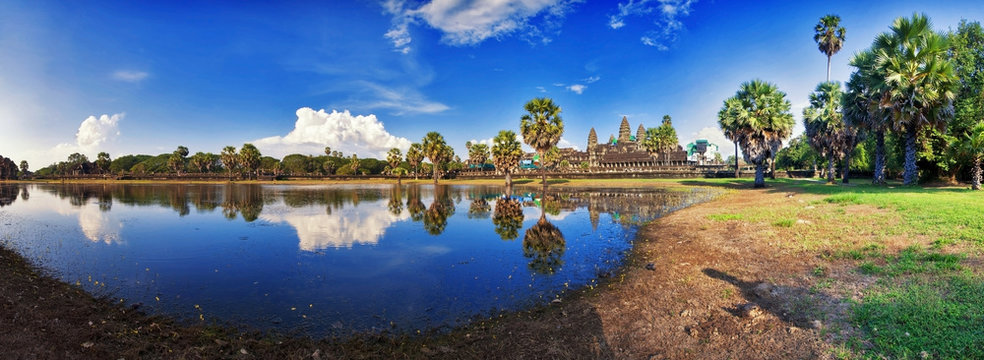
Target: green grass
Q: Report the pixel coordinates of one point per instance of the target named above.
(924, 302)
(942, 316)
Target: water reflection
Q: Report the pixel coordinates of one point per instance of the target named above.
(361, 255)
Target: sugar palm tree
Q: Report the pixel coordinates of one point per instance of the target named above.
(973, 145)
(919, 83)
(478, 154)
(823, 121)
(829, 36)
(541, 127)
(394, 157)
(249, 159)
(506, 152)
(415, 154)
(229, 158)
(757, 118)
(433, 146)
(861, 108)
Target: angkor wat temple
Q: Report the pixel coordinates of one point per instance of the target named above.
(624, 152)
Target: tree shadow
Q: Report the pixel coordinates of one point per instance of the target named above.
(793, 305)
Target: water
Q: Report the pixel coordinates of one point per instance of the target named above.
(328, 260)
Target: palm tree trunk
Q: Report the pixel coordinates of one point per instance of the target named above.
(911, 175)
(760, 175)
(830, 167)
(975, 181)
(828, 68)
(879, 178)
(508, 179)
(435, 173)
(772, 167)
(846, 172)
(737, 170)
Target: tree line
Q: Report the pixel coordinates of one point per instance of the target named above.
(912, 106)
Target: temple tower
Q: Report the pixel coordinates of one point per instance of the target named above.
(624, 132)
(640, 134)
(592, 139)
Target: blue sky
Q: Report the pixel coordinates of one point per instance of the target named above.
(145, 77)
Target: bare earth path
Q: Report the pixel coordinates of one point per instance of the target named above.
(696, 287)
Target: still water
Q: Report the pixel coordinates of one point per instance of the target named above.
(328, 260)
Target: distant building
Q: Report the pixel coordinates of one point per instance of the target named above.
(624, 152)
(701, 151)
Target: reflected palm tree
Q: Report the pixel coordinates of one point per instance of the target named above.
(244, 199)
(24, 194)
(508, 218)
(396, 200)
(436, 216)
(543, 243)
(414, 205)
(479, 209)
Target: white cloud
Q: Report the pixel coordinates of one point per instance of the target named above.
(471, 22)
(402, 101)
(667, 15)
(541, 89)
(93, 135)
(489, 141)
(96, 131)
(563, 143)
(577, 88)
(360, 134)
(130, 75)
(591, 79)
(714, 135)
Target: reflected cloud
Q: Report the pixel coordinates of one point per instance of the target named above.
(97, 226)
(364, 225)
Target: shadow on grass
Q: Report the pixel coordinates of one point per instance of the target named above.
(793, 305)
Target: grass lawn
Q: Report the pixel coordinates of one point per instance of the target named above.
(920, 249)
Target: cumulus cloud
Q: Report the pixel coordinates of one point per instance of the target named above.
(360, 134)
(93, 135)
(563, 143)
(470, 23)
(577, 88)
(130, 75)
(489, 141)
(667, 14)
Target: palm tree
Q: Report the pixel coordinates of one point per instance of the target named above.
(434, 149)
(973, 145)
(862, 110)
(415, 154)
(103, 161)
(354, 164)
(662, 139)
(478, 154)
(919, 84)
(824, 124)
(757, 118)
(249, 158)
(829, 36)
(541, 127)
(394, 157)
(23, 167)
(506, 152)
(230, 159)
(327, 150)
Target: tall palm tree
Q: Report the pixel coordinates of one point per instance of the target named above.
(541, 127)
(249, 158)
(829, 36)
(973, 145)
(506, 152)
(415, 154)
(824, 124)
(394, 157)
(433, 146)
(478, 154)
(919, 84)
(861, 108)
(757, 118)
(229, 158)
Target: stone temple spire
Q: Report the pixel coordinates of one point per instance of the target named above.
(592, 139)
(624, 133)
(640, 134)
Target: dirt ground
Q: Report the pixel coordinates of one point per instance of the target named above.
(694, 288)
